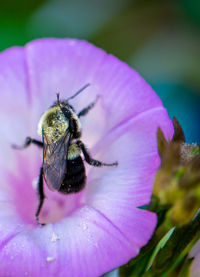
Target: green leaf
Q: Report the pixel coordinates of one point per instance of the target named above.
(159, 246)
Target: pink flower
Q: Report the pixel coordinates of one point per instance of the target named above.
(100, 228)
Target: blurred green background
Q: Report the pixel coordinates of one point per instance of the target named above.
(160, 39)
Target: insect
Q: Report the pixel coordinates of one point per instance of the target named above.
(63, 168)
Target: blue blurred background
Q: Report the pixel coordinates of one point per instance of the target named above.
(160, 39)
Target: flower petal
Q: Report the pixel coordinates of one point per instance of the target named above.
(133, 144)
(195, 253)
(129, 185)
(83, 243)
(195, 268)
(67, 65)
(14, 104)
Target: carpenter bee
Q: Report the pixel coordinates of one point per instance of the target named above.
(63, 167)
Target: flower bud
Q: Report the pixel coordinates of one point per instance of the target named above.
(177, 182)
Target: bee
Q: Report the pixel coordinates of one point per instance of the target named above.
(63, 167)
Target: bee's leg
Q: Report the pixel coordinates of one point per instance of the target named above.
(28, 142)
(41, 196)
(88, 108)
(90, 160)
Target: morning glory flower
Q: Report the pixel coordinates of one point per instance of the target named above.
(94, 231)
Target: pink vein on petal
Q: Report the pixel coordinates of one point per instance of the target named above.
(114, 226)
(116, 128)
(28, 78)
(135, 117)
(8, 239)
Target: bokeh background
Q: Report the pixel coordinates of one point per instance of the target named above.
(159, 38)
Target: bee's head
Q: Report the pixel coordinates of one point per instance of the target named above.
(62, 103)
(65, 103)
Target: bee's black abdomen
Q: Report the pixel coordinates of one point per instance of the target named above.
(75, 178)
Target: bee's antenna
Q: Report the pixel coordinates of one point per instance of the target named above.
(79, 91)
(58, 98)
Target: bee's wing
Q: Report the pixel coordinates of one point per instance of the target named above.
(55, 161)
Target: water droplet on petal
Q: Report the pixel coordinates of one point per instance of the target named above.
(50, 259)
(54, 237)
(85, 227)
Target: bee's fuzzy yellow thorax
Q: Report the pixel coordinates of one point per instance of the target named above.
(53, 123)
(73, 151)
